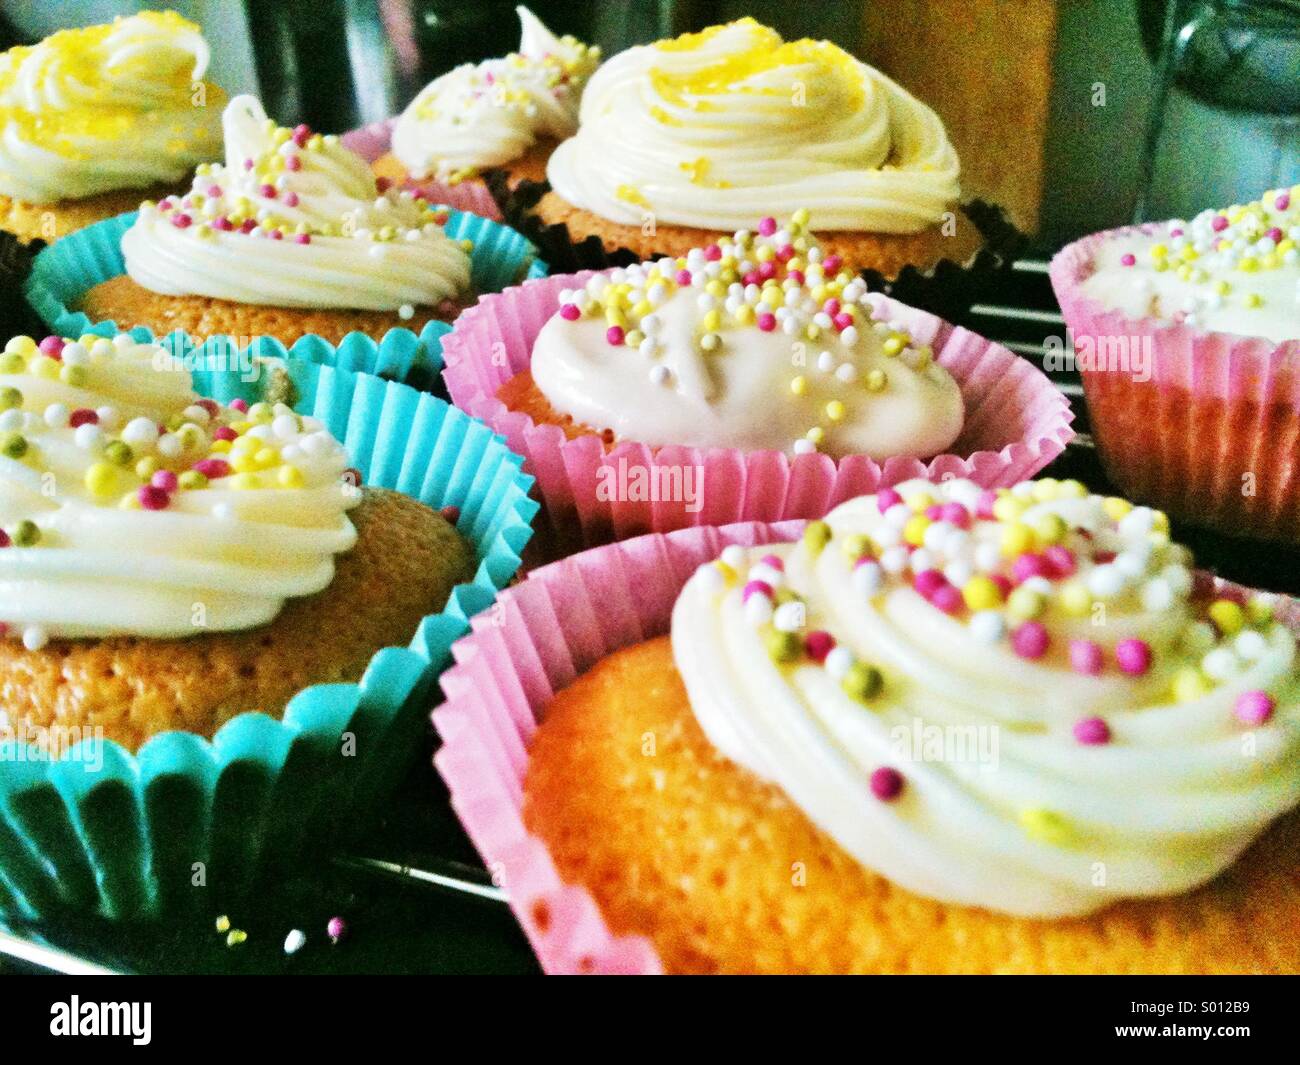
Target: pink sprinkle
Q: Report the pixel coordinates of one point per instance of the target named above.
(1091, 731)
(1128, 259)
(210, 405)
(767, 226)
(818, 645)
(248, 164)
(887, 498)
(165, 481)
(1029, 565)
(267, 190)
(713, 253)
(614, 334)
(152, 498)
(947, 598)
(247, 226)
(750, 278)
(1283, 201)
(1254, 707)
(224, 432)
(1102, 557)
(785, 253)
(1085, 657)
(52, 346)
(450, 514)
(275, 234)
(294, 163)
(774, 562)
(796, 276)
(886, 784)
(570, 313)
(291, 199)
(4, 539)
(928, 582)
(864, 559)
(1133, 656)
(956, 514)
(683, 277)
(756, 588)
(240, 405)
(302, 238)
(843, 320)
(766, 321)
(182, 221)
(1218, 223)
(766, 271)
(1030, 640)
(1177, 231)
(336, 929)
(224, 224)
(831, 306)
(1060, 560)
(1003, 582)
(832, 263)
(984, 507)
(82, 416)
(1275, 235)
(213, 469)
(215, 192)
(935, 512)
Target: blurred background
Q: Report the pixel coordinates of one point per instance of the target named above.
(1074, 115)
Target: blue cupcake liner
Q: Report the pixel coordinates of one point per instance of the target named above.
(130, 837)
(62, 274)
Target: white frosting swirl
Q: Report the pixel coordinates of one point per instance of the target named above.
(111, 107)
(294, 220)
(1106, 783)
(116, 528)
(492, 113)
(1235, 270)
(751, 323)
(716, 128)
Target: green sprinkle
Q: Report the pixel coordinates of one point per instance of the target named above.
(816, 536)
(12, 362)
(862, 682)
(10, 398)
(192, 480)
(119, 454)
(855, 546)
(26, 534)
(783, 646)
(75, 376)
(13, 445)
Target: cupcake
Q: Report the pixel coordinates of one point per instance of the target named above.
(695, 136)
(95, 118)
(171, 562)
(1187, 336)
(756, 364)
(944, 730)
(289, 237)
(506, 114)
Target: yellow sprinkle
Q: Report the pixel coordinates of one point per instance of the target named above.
(914, 530)
(1017, 538)
(1189, 685)
(146, 468)
(799, 385)
(223, 923)
(1075, 599)
(245, 481)
(1008, 508)
(1025, 604)
(981, 593)
(1227, 616)
(1050, 529)
(221, 447)
(875, 381)
(290, 477)
(816, 434)
(20, 346)
(1045, 490)
(835, 410)
(1115, 507)
(1072, 490)
(101, 479)
(1045, 826)
(920, 501)
(816, 536)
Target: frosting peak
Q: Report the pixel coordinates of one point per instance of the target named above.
(294, 219)
(708, 129)
(117, 106)
(488, 114)
(755, 322)
(1082, 710)
(130, 505)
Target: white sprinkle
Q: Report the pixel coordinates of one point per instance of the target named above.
(848, 373)
(74, 354)
(660, 374)
(1179, 579)
(56, 415)
(735, 557)
(921, 560)
(803, 446)
(294, 941)
(868, 579)
(406, 312)
(1157, 595)
(987, 626)
(109, 417)
(122, 341)
(1105, 582)
(838, 662)
(769, 575)
(1221, 664)
(758, 610)
(894, 560)
(170, 446)
(223, 511)
(11, 421)
(1251, 645)
(988, 558)
(35, 637)
(198, 415)
(88, 437)
(789, 617)
(711, 578)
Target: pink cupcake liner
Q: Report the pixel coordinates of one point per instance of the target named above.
(540, 637)
(1016, 423)
(372, 141)
(1219, 415)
